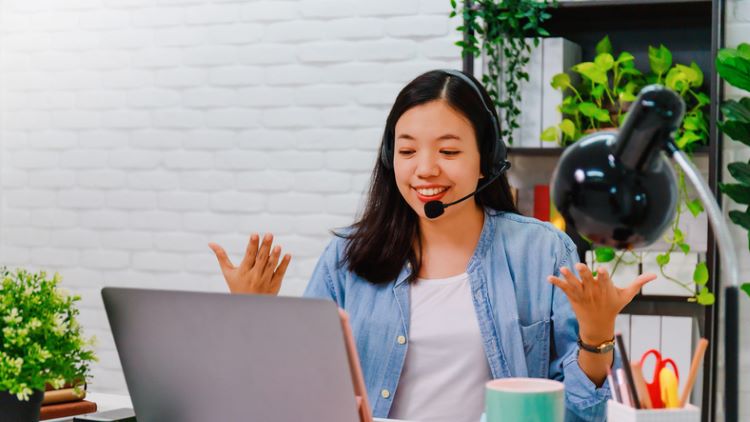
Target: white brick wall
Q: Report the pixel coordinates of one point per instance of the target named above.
(737, 31)
(136, 131)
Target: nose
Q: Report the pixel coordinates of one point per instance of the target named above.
(427, 165)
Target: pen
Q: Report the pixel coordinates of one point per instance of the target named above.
(613, 386)
(628, 372)
(700, 350)
(623, 387)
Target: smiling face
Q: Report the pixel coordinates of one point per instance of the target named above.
(436, 157)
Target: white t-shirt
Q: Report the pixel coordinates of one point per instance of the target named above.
(446, 368)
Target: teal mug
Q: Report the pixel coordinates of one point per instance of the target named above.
(525, 400)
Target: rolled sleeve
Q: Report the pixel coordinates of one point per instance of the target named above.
(583, 400)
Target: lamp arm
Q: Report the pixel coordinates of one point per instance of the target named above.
(715, 217)
(729, 267)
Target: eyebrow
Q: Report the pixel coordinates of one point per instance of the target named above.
(447, 136)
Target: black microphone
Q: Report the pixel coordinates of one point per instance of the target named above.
(435, 209)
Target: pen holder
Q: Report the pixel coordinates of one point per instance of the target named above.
(618, 412)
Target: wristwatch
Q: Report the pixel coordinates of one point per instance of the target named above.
(600, 348)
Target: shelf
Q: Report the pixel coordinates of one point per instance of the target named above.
(556, 152)
(664, 305)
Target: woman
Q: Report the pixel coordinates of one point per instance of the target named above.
(439, 306)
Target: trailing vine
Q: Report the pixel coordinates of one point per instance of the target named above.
(508, 29)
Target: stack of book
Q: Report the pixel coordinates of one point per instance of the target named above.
(63, 402)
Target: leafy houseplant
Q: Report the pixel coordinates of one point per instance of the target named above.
(40, 340)
(733, 65)
(608, 86)
(504, 27)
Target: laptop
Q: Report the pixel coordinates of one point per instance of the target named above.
(196, 357)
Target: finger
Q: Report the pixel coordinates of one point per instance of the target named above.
(221, 256)
(562, 285)
(278, 275)
(602, 275)
(265, 249)
(585, 272)
(273, 260)
(638, 284)
(251, 252)
(572, 280)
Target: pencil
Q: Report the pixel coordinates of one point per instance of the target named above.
(700, 350)
(628, 372)
(640, 385)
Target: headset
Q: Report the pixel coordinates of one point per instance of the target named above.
(494, 148)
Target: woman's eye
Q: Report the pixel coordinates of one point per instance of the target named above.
(405, 152)
(450, 152)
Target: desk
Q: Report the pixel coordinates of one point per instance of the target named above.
(115, 401)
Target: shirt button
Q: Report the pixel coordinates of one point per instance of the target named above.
(385, 393)
(401, 339)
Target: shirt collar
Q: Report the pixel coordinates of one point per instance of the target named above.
(485, 239)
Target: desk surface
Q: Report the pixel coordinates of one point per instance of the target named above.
(115, 401)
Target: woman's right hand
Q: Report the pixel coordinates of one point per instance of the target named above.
(258, 272)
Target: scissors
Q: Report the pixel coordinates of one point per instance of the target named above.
(654, 388)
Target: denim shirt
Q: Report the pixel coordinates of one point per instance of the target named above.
(527, 324)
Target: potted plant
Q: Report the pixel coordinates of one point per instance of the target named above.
(509, 30)
(41, 342)
(733, 65)
(600, 101)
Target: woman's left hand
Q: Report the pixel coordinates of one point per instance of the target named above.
(596, 301)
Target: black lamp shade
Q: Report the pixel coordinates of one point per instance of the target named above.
(618, 188)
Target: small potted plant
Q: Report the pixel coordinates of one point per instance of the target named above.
(608, 85)
(41, 342)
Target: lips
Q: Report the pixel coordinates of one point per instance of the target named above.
(433, 193)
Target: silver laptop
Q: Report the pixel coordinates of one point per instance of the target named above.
(190, 356)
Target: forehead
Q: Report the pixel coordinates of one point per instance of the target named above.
(432, 120)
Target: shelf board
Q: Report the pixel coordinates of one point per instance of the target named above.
(556, 152)
(664, 305)
(619, 13)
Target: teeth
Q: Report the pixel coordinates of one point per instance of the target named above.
(431, 191)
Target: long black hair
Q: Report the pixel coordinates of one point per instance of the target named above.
(387, 234)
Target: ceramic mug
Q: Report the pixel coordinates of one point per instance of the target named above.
(525, 400)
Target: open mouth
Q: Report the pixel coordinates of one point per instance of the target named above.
(431, 193)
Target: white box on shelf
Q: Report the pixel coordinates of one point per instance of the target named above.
(677, 343)
(681, 267)
(530, 119)
(559, 55)
(618, 412)
(645, 334)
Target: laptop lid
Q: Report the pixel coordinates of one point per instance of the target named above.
(193, 356)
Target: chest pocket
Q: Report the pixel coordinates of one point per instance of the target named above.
(536, 348)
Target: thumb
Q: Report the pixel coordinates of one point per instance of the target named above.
(638, 284)
(221, 256)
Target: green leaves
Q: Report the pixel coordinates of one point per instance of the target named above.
(604, 254)
(740, 218)
(549, 134)
(745, 288)
(41, 340)
(695, 206)
(662, 259)
(560, 81)
(704, 297)
(592, 71)
(740, 171)
(660, 59)
(734, 66)
(604, 46)
(568, 128)
(738, 192)
(700, 275)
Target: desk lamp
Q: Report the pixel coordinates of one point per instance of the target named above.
(619, 189)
